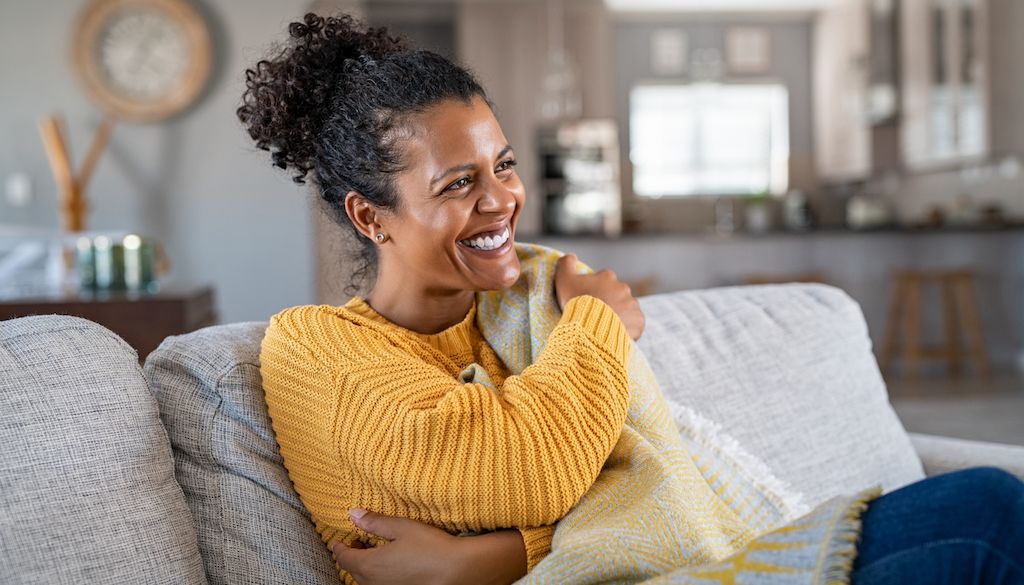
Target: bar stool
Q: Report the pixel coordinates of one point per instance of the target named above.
(959, 311)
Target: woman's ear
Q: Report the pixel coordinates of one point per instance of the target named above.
(363, 214)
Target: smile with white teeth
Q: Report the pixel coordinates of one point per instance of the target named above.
(488, 242)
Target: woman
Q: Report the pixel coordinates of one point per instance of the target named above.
(400, 403)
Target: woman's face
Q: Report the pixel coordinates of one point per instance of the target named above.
(460, 199)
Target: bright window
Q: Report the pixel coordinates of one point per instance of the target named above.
(709, 139)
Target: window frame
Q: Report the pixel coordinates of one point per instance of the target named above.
(779, 155)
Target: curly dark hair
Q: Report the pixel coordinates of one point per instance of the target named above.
(332, 102)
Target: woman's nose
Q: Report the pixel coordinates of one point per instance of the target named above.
(496, 198)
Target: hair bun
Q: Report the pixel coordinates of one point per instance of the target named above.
(288, 95)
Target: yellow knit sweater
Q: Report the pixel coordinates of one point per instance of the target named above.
(372, 415)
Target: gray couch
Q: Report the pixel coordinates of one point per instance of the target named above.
(112, 473)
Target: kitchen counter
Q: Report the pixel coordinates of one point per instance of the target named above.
(821, 230)
(859, 262)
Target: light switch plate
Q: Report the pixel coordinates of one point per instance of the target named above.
(18, 189)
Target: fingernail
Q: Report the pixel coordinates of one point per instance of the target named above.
(356, 513)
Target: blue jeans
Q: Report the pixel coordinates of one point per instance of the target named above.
(965, 527)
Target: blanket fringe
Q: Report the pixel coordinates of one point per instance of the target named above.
(843, 549)
(711, 436)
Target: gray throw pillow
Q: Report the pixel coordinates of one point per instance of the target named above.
(252, 527)
(87, 489)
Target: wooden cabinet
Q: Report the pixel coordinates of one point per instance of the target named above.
(945, 89)
(840, 73)
(938, 75)
(141, 319)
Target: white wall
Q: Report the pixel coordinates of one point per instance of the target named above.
(195, 182)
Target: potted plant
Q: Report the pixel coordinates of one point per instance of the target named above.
(758, 213)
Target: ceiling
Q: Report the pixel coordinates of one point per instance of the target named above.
(718, 5)
(643, 6)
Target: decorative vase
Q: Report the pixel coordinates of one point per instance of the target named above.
(758, 217)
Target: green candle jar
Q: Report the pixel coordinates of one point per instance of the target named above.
(108, 255)
(139, 261)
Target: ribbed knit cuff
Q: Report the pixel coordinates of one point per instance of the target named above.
(598, 319)
(538, 544)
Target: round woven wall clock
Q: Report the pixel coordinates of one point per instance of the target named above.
(142, 60)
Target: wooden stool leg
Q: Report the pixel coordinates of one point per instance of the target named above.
(912, 331)
(972, 325)
(892, 325)
(951, 326)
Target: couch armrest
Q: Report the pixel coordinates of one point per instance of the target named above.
(944, 454)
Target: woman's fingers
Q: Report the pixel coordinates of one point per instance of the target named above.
(567, 263)
(565, 270)
(635, 322)
(603, 284)
(341, 549)
(347, 558)
(352, 558)
(415, 552)
(386, 527)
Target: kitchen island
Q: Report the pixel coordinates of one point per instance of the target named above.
(859, 262)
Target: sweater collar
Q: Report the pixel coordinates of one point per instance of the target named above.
(455, 339)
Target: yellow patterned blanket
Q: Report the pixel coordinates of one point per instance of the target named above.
(665, 508)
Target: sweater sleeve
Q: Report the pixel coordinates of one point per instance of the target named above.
(459, 454)
(538, 543)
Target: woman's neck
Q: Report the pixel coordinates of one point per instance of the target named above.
(418, 310)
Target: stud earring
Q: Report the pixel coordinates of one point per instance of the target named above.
(380, 237)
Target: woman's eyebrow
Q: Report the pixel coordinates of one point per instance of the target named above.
(446, 172)
(466, 167)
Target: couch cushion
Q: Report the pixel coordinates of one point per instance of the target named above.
(87, 489)
(786, 374)
(252, 527)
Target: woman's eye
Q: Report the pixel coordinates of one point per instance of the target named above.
(458, 184)
(506, 165)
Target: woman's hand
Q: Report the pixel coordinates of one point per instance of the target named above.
(603, 285)
(422, 554)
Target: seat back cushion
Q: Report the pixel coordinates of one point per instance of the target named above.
(87, 488)
(252, 527)
(783, 376)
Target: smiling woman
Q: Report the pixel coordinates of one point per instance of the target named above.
(396, 402)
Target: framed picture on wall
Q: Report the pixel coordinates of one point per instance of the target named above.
(669, 54)
(748, 49)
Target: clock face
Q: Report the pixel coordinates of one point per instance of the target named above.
(142, 60)
(143, 54)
